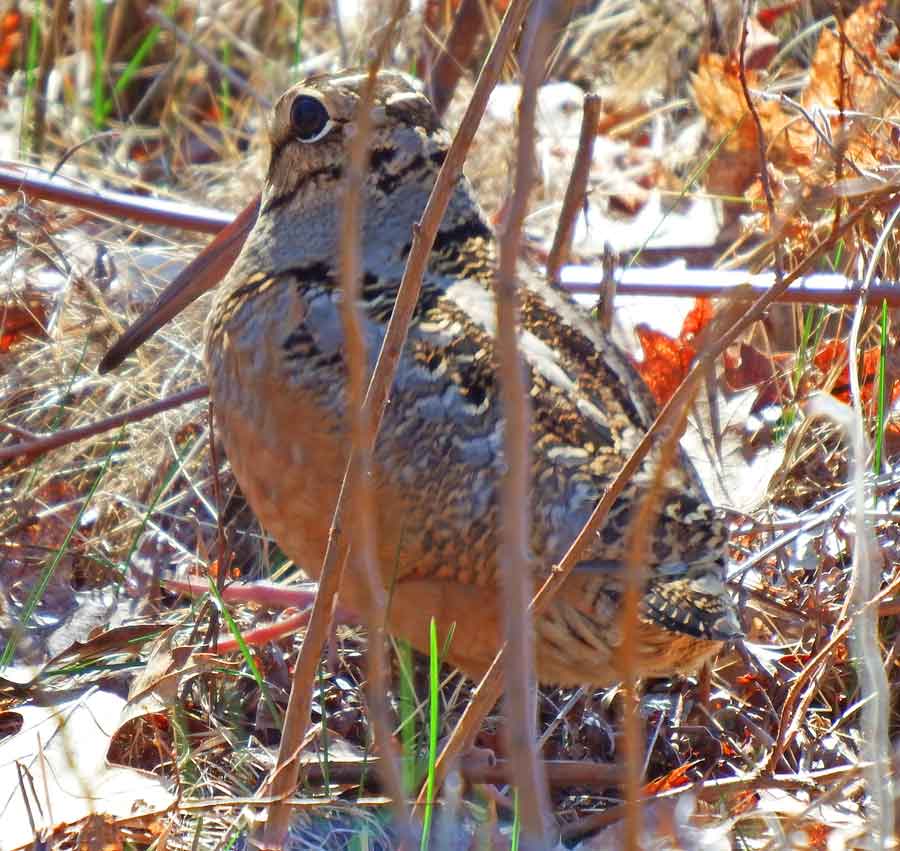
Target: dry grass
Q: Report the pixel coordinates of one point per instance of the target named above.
(772, 741)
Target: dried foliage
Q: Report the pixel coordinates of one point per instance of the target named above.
(805, 175)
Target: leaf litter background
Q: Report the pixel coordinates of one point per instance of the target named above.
(768, 743)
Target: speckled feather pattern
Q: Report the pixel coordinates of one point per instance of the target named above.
(274, 352)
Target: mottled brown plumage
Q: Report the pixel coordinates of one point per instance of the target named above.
(274, 354)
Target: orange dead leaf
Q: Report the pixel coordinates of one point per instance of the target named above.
(834, 352)
(861, 88)
(10, 38)
(666, 361)
(676, 777)
(851, 72)
(744, 802)
(18, 321)
(817, 835)
(700, 316)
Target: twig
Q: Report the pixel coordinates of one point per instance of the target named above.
(761, 143)
(453, 56)
(17, 177)
(45, 443)
(576, 191)
(515, 503)
(354, 493)
(362, 431)
(48, 56)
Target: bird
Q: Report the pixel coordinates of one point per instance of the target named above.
(274, 353)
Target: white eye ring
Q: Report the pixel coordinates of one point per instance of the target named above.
(309, 118)
(329, 125)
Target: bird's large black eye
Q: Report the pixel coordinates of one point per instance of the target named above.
(308, 117)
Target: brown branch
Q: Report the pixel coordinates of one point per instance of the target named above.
(45, 443)
(362, 493)
(467, 26)
(515, 504)
(576, 191)
(761, 143)
(560, 773)
(115, 205)
(356, 493)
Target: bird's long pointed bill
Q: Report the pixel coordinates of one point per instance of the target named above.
(200, 275)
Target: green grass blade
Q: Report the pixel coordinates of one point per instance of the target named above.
(99, 59)
(434, 682)
(326, 760)
(882, 390)
(135, 63)
(235, 631)
(517, 823)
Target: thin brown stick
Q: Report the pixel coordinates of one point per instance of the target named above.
(45, 443)
(639, 537)
(761, 144)
(115, 205)
(48, 57)
(560, 773)
(576, 191)
(488, 690)
(468, 24)
(362, 493)
(356, 491)
(515, 505)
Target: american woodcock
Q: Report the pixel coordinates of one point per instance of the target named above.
(277, 377)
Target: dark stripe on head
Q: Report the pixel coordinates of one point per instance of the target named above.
(332, 172)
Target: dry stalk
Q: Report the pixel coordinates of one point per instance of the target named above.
(639, 537)
(468, 24)
(874, 688)
(576, 190)
(40, 444)
(362, 495)
(48, 57)
(489, 689)
(515, 508)
(356, 489)
(760, 140)
(15, 177)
